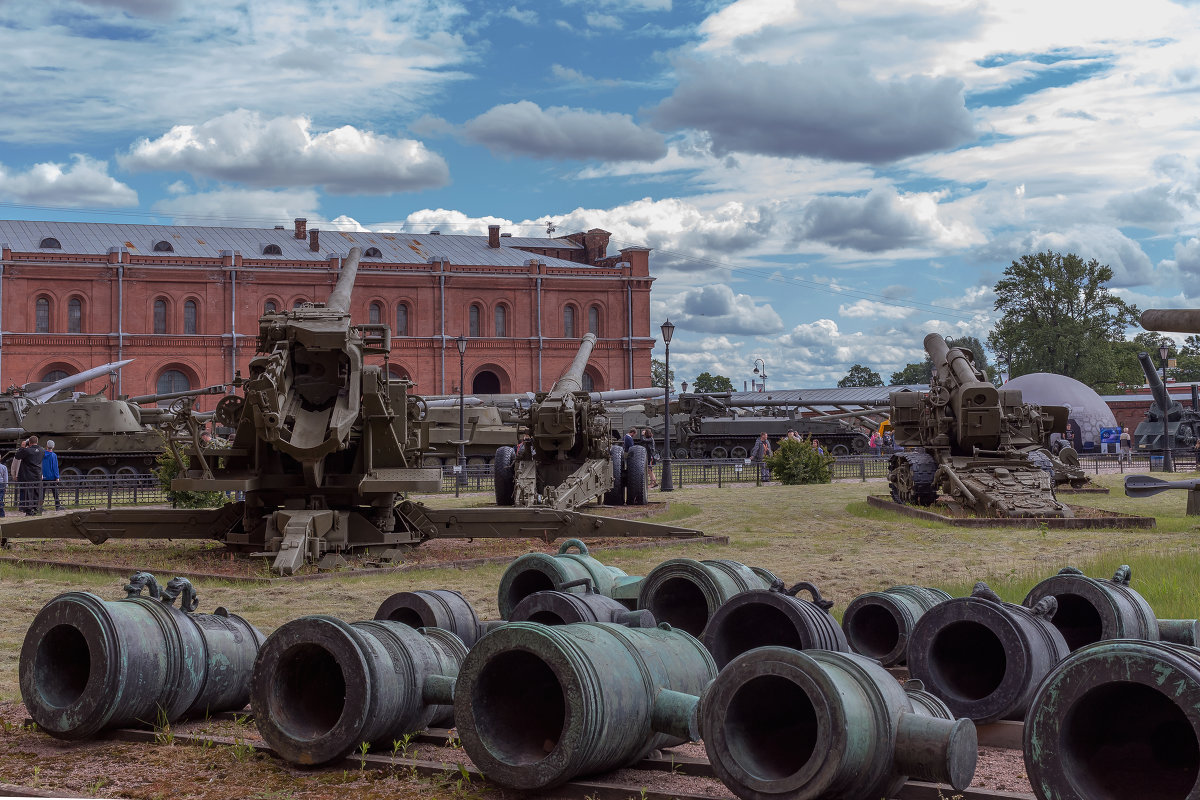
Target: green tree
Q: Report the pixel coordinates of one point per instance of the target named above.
(860, 376)
(707, 382)
(1059, 316)
(799, 462)
(658, 373)
(919, 372)
(922, 371)
(168, 468)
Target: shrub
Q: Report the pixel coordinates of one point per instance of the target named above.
(167, 469)
(799, 462)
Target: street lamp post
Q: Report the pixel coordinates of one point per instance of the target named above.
(762, 374)
(461, 342)
(667, 484)
(1168, 465)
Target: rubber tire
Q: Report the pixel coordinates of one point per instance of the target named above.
(840, 450)
(923, 467)
(503, 476)
(738, 452)
(616, 495)
(720, 452)
(636, 464)
(860, 445)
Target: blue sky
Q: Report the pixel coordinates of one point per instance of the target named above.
(822, 181)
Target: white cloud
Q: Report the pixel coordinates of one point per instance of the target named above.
(716, 308)
(525, 129)
(242, 206)
(85, 182)
(882, 220)
(603, 21)
(243, 146)
(874, 309)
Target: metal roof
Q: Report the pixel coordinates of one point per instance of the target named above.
(850, 396)
(95, 238)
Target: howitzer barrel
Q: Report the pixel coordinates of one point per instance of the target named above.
(158, 398)
(542, 572)
(779, 723)
(772, 617)
(1090, 610)
(434, 608)
(572, 379)
(879, 624)
(564, 608)
(686, 593)
(1178, 320)
(339, 298)
(537, 705)
(1161, 398)
(322, 686)
(949, 361)
(1117, 719)
(88, 664)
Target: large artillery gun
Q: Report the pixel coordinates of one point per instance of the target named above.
(573, 458)
(1182, 424)
(977, 444)
(324, 448)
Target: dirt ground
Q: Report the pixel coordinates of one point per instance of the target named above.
(824, 534)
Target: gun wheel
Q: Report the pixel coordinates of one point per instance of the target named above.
(229, 411)
(910, 478)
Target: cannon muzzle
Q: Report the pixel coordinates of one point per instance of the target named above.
(572, 380)
(1161, 399)
(339, 298)
(1177, 320)
(951, 362)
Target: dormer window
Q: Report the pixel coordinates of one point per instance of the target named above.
(272, 250)
(51, 243)
(164, 247)
(372, 252)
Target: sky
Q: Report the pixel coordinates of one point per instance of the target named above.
(822, 182)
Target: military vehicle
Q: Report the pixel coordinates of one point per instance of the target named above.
(573, 458)
(1183, 424)
(484, 430)
(323, 450)
(979, 445)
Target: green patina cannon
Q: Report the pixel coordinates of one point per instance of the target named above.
(322, 686)
(562, 607)
(89, 664)
(775, 616)
(879, 624)
(435, 608)
(686, 593)
(541, 572)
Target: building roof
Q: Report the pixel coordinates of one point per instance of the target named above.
(95, 238)
(851, 396)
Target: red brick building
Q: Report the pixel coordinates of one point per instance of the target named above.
(185, 302)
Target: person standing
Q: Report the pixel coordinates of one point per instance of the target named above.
(14, 475)
(51, 475)
(762, 449)
(628, 442)
(651, 453)
(1126, 449)
(3, 486)
(32, 455)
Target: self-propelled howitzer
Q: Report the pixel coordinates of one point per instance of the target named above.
(1182, 424)
(977, 444)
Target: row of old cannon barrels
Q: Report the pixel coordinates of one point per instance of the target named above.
(581, 680)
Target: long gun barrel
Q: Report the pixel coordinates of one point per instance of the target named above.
(339, 298)
(572, 380)
(1178, 320)
(1161, 399)
(158, 398)
(950, 361)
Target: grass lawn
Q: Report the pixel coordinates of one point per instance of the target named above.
(825, 534)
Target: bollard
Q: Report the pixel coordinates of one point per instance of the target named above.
(435, 608)
(539, 572)
(780, 723)
(985, 657)
(1118, 718)
(322, 686)
(560, 607)
(537, 705)
(1091, 609)
(685, 593)
(762, 617)
(879, 624)
(88, 664)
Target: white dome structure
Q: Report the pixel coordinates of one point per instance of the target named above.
(1088, 413)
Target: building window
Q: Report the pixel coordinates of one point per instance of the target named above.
(74, 315)
(402, 319)
(55, 375)
(160, 316)
(569, 322)
(51, 243)
(373, 252)
(272, 250)
(594, 320)
(172, 381)
(164, 247)
(375, 313)
(299, 303)
(501, 315)
(42, 315)
(189, 317)
(589, 384)
(269, 307)
(473, 321)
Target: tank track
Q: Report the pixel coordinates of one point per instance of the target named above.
(910, 477)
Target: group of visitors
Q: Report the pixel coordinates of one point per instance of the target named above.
(881, 442)
(646, 440)
(35, 471)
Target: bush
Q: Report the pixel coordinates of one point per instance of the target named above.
(799, 462)
(167, 469)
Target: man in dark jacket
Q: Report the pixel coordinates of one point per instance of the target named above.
(628, 441)
(31, 455)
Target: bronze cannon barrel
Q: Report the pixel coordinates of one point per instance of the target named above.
(879, 624)
(541, 572)
(435, 608)
(322, 686)
(1178, 320)
(984, 657)
(1118, 718)
(89, 664)
(1092, 609)
(563, 608)
(685, 593)
(765, 617)
(780, 723)
(537, 705)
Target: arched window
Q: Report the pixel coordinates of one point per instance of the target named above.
(269, 307)
(160, 316)
(272, 250)
(473, 321)
(172, 380)
(402, 319)
(164, 247)
(569, 322)
(51, 243)
(189, 317)
(589, 385)
(74, 315)
(375, 313)
(41, 315)
(54, 375)
(372, 252)
(299, 303)
(594, 320)
(501, 315)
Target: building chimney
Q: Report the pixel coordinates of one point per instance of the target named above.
(314, 237)
(493, 235)
(301, 225)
